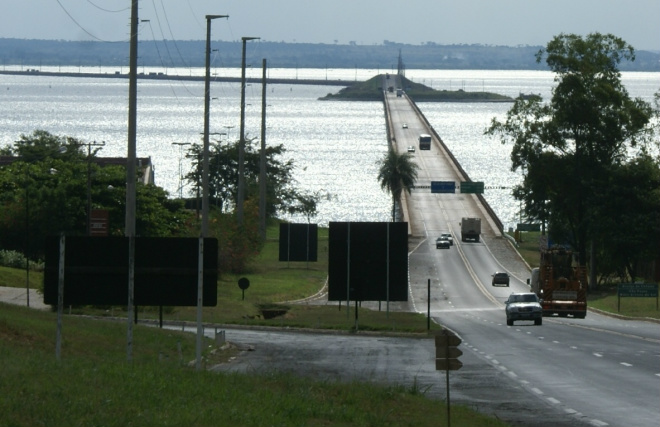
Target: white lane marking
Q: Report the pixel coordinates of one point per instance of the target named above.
(598, 355)
(626, 364)
(553, 400)
(536, 390)
(570, 411)
(598, 423)
(512, 374)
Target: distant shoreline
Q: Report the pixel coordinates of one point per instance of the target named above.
(163, 76)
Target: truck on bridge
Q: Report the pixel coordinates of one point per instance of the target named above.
(470, 229)
(424, 141)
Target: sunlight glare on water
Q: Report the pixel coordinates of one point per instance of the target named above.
(335, 145)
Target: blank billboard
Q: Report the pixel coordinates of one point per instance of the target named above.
(368, 261)
(298, 242)
(96, 271)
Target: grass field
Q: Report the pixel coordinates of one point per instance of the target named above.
(94, 384)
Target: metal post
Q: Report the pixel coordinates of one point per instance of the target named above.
(89, 183)
(27, 235)
(180, 144)
(131, 175)
(207, 104)
(262, 158)
(200, 302)
(428, 305)
(241, 141)
(60, 298)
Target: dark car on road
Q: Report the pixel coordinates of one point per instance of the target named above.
(442, 243)
(448, 237)
(500, 279)
(523, 306)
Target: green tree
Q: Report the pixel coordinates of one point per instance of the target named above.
(44, 192)
(223, 175)
(627, 214)
(570, 145)
(397, 172)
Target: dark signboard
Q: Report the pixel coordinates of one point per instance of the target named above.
(298, 242)
(368, 261)
(528, 227)
(165, 274)
(640, 290)
(472, 187)
(443, 187)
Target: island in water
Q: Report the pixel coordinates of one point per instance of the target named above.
(374, 88)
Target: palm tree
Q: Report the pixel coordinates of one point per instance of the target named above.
(397, 172)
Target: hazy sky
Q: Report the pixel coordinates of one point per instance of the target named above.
(492, 22)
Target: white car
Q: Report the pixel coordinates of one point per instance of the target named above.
(405, 126)
(411, 149)
(523, 306)
(448, 237)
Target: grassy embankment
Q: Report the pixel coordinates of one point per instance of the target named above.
(93, 384)
(605, 296)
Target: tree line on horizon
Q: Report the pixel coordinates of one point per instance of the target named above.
(191, 53)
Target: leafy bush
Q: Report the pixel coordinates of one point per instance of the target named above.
(12, 259)
(16, 259)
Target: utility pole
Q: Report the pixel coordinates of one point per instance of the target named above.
(89, 182)
(131, 175)
(241, 141)
(181, 145)
(207, 104)
(262, 158)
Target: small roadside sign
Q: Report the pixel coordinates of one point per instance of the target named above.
(447, 353)
(448, 364)
(642, 290)
(446, 359)
(637, 290)
(447, 340)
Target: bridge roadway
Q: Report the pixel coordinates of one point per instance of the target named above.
(467, 264)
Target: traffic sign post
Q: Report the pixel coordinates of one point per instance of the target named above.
(472, 187)
(637, 290)
(443, 187)
(446, 359)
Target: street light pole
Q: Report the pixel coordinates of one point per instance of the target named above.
(207, 104)
(262, 158)
(89, 182)
(180, 144)
(241, 141)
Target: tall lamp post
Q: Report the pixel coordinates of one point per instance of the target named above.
(89, 181)
(181, 145)
(207, 103)
(241, 141)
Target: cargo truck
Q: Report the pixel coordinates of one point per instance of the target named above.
(424, 141)
(560, 283)
(470, 229)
